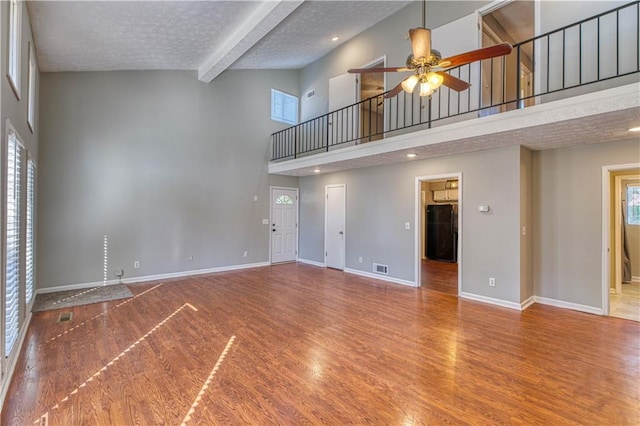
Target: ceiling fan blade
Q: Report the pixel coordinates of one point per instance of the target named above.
(387, 69)
(420, 42)
(394, 92)
(453, 83)
(476, 55)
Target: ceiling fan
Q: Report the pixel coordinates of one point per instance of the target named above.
(428, 66)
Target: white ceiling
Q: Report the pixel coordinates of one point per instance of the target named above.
(207, 36)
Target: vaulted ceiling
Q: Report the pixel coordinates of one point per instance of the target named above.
(208, 36)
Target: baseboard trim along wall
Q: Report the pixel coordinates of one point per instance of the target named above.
(635, 279)
(311, 262)
(379, 277)
(528, 302)
(153, 277)
(497, 302)
(568, 305)
(13, 360)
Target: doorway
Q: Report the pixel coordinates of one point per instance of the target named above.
(371, 88)
(438, 232)
(284, 224)
(621, 226)
(512, 22)
(334, 225)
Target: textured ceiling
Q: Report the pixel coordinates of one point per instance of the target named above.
(305, 35)
(183, 35)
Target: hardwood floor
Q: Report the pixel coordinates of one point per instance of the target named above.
(297, 344)
(440, 276)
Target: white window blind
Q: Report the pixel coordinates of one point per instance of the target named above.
(284, 107)
(31, 184)
(12, 278)
(15, 30)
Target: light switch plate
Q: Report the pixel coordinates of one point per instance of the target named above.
(265, 221)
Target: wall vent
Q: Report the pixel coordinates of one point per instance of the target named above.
(381, 269)
(310, 94)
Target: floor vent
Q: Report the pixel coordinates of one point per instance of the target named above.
(67, 316)
(381, 269)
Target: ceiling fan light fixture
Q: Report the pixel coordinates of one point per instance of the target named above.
(409, 83)
(425, 89)
(435, 80)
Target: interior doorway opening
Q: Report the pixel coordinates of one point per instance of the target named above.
(371, 86)
(622, 280)
(438, 232)
(511, 22)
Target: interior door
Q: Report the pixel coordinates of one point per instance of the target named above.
(343, 122)
(284, 224)
(335, 216)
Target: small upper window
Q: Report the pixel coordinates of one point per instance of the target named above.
(31, 98)
(15, 30)
(284, 199)
(284, 107)
(633, 204)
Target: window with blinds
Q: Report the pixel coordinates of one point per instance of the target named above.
(284, 107)
(31, 185)
(15, 31)
(12, 277)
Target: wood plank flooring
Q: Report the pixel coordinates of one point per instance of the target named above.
(297, 344)
(440, 276)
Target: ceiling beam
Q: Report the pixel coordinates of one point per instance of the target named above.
(266, 17)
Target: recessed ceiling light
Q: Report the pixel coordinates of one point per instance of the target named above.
(634, 129)
(316, 170)
(411, 155)
(336, 38)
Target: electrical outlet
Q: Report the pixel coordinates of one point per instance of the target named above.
(407, 225)
(255, 198)
(245, 254)
(492, 282)
(119, 273)
(191, 258)
(360, 259)
(136, 264)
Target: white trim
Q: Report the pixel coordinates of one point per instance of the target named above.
(528, 302)
(154, 277)
(606, 173)
(492, 301)
(311, 262)
(13, 359)
(568, 305)
(344, 223)
(635, 279)
(417, 225)
(379, 277)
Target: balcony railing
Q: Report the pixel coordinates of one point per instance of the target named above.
(550, 66)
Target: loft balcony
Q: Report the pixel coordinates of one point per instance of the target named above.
(575, 85)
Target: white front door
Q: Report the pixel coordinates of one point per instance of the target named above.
(335, 226)
(284, 224)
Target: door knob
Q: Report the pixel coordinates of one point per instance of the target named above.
(274, 229)
(341, 233)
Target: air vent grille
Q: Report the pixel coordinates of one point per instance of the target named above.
(310, 94)
(66, 316)
(379, 268)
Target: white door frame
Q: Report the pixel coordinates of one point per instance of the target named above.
(344, 225)
(418, 227)
(606, 215)
(271, 188)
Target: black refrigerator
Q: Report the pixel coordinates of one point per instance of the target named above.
(442, 232)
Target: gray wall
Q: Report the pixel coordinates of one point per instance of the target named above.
(381, 199)
(567, 221)
(526, 224)
(164, 165)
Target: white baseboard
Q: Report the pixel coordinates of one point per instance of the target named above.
(568, 305)
(311, 262)
(493, 301)
(379, 277)
(635, 279)
(13, 359)
(530, 301)
(153, 277)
